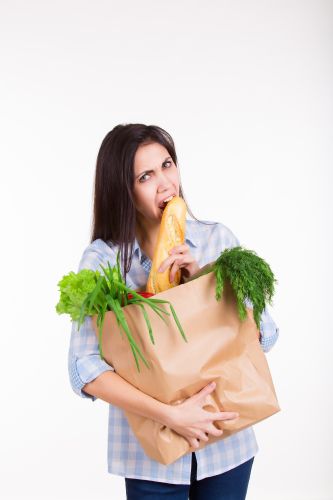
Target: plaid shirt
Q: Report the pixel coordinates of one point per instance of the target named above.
(125, 455)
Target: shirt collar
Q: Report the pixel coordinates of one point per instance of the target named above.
(189, 239)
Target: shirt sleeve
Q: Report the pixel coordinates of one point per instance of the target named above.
(84, 361)
(269, 332)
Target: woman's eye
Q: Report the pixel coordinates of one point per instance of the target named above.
(142, 179)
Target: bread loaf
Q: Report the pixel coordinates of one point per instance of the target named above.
(171, 233)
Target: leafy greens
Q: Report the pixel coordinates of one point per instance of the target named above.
(90, 293)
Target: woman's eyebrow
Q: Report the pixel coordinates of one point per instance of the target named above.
(148, 171)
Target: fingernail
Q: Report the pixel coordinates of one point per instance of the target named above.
(212, 384)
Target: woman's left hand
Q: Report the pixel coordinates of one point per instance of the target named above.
(180, 257)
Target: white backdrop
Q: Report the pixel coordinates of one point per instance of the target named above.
(245, 89)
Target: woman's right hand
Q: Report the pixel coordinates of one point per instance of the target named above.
(192, 422)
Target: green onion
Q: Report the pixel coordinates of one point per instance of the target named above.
(88, 293)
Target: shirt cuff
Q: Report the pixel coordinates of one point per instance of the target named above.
(85, 369)
(269, 332)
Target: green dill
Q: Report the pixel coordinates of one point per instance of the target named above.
(249, 276)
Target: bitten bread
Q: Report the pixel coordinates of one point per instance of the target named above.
(171, 233)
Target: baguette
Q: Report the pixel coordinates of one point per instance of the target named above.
(171, 233)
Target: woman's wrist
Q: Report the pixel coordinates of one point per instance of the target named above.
(168, 415)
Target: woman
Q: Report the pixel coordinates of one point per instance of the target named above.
(136, 172)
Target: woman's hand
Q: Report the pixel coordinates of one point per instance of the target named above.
(180, 257)
(191, 421)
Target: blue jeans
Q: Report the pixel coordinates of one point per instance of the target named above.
(230, 485)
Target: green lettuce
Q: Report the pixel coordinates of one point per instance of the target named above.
(74, 288)
(89, 293)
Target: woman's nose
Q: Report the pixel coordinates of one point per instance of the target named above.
(163, 183)
(163, 188)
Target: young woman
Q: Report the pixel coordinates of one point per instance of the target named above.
(136, 171)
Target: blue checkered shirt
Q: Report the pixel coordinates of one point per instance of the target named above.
(125, 455)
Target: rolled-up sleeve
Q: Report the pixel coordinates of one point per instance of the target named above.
(269, 332)
(84, 361)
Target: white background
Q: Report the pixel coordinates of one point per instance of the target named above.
(245, 90)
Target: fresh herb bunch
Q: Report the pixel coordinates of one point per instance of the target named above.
(88, 293)
(250, 277)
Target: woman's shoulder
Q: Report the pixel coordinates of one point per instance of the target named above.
(207, 231)
(96, 253)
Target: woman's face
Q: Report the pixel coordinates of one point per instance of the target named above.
(155, 178)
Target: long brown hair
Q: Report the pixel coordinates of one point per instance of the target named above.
(114, 213)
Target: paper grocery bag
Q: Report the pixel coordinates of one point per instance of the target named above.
(220, 347)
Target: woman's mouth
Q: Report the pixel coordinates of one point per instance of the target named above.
(165, 202)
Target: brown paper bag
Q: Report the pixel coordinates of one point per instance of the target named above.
(220, 347)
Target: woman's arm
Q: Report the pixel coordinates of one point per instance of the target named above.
(115, 390)
(189, 419)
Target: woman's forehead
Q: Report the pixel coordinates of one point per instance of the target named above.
(149, 156)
